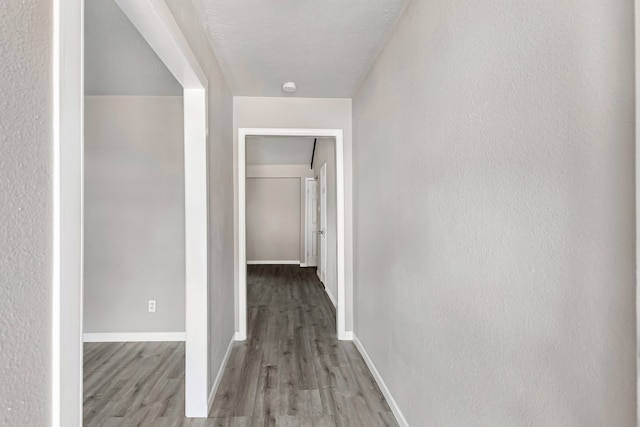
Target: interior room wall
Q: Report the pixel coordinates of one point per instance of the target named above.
(312, 113)
(26, 206)
(285, 171)
(326, 153)
(221, 195)
(273, 219)
(134, 214)
(494, 213)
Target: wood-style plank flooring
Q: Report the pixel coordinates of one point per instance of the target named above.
(291, 371)
(133, 384)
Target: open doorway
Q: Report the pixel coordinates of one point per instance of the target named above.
(291, 204)
(133, 185)
(338, 279)
(311, 227)
(157, 26)
(134, 224)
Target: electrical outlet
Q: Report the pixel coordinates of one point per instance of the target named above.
(152, 306)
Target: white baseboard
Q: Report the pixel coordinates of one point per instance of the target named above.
(346, 336)
(216, 383)
(331, 297)
(402, 421)
(303, 264)
(238, 337)
(133, 336)
(273, 262)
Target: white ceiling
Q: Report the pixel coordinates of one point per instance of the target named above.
(118, 61)
(279, 150)
(326, 46)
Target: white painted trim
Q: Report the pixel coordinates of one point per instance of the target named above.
(154, 21)
(276, 262)
(305, 213)
(218, 380)
(241, 250)
(196, 253)
(67, 204)
(133, 336)
(323, 220)
(331, 297)
(238, 337)
(402, 421)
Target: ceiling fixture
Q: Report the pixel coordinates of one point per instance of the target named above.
(289, 87)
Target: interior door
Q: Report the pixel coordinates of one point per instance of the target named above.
(322, 232)
(313, 223)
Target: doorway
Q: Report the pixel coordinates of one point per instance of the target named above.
(156, 24)
(311, 224)
(322, 232)
(241, 285)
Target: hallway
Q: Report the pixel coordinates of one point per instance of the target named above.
(291, 371)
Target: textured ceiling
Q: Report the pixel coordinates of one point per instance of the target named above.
(326, 47)
(118, 61)
(279, 150)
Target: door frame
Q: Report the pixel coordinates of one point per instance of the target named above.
(241, 249)
(306, 223)
(157, 25)
(322, 204)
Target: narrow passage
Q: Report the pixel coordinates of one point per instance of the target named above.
(292, 370)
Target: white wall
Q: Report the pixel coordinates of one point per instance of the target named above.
(134, 214)
(494, 213)
(221, 212)
(286, 171)
(316, 113)
(273, 219)
(326, 153)
(25, 212)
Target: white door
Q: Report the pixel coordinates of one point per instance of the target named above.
(312, 221)
(322, 232)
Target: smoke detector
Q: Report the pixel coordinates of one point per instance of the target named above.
(289, 87)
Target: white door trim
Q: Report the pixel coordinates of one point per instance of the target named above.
(155, 22)
(307, 196)
(322, 241)
(68, 130)
(241, 289)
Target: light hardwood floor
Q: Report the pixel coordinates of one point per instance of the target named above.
(291, 371)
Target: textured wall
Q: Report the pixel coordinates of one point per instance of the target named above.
(313, 113)
(273, 219)
(221, 253)
(25, 212)
(494, 226)
(134, 214)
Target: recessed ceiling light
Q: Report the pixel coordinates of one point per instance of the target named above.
(289, 87)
